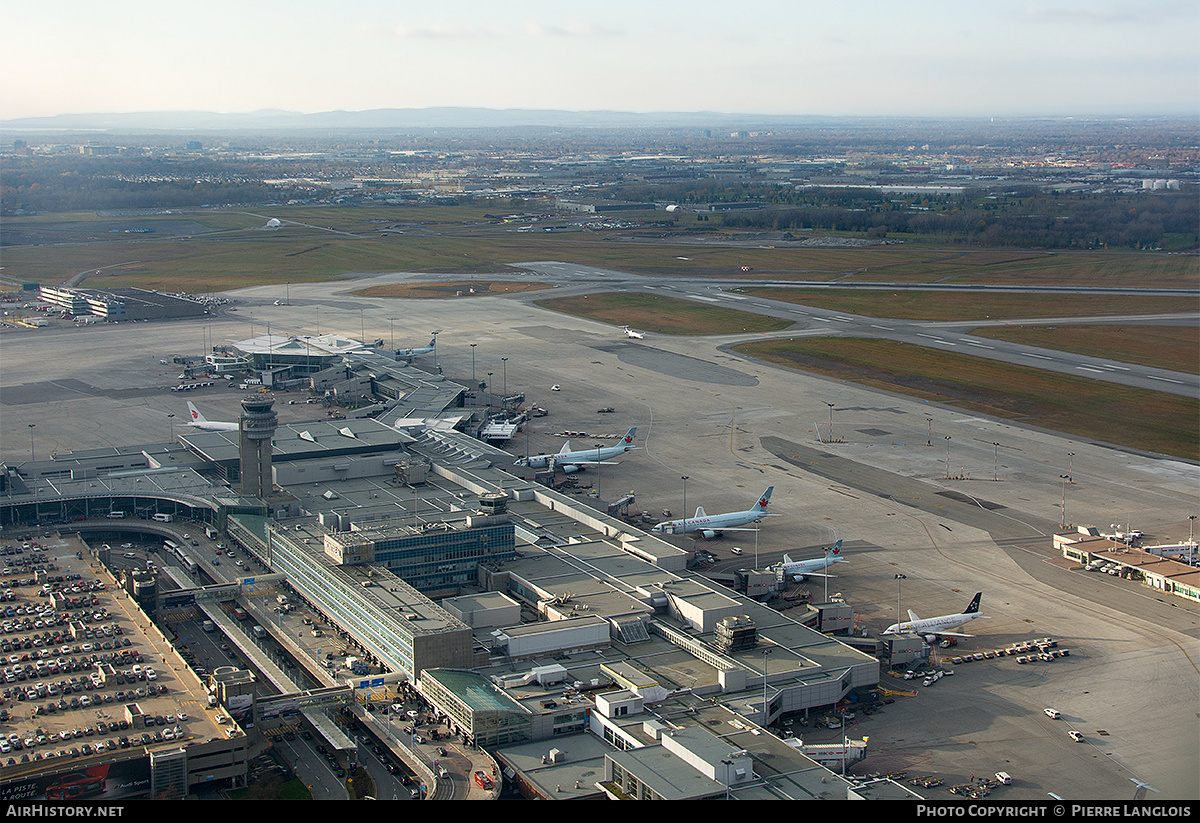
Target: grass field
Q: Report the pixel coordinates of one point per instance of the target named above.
(1151, 421)
(941, 305)
(328, 242)
(1165, 347)
(662, 315)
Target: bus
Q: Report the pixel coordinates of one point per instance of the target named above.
(170, 546)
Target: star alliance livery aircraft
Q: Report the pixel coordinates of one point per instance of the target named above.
(934, 627)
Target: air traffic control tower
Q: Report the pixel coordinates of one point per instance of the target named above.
(258, 425)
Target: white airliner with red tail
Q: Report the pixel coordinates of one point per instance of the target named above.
(200, 422)
(571, 462)
(711, 525)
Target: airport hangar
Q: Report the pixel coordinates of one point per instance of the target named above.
(604, 605)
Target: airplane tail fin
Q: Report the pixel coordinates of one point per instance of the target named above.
(761, 505)
(786, 559)
(837, 548)
(974, 607)
(566, 448)
(912, 616)
(195, 414)
(433, 342)
(628, 438)
(699, 512)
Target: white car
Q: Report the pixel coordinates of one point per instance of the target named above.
(1052, 714)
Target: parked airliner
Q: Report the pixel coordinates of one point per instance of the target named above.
(712, 525)
(934, 627)
(571, 462)
(409, 354)
(200, 422)
(800, 569)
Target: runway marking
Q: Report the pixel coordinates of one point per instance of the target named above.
(1038, 356)
(1089, 368)
(822, 319)
(980, 345)
(1165, 379)
(885, 328)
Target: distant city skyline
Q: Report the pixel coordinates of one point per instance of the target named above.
(867, 58)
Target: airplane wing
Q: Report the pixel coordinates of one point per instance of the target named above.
(950, 634)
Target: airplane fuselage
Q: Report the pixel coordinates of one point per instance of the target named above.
(933, 625)
(714, 523)
(541, 461)
(210, 426)
(803, 568)
(573, 461)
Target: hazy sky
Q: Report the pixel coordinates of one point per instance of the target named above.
(834, 57)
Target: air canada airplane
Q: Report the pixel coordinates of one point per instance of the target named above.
(636, 335)
(409, 354)
(934, 627)
(571, 462)
(800, 569)
(711, 525)
(200, 422)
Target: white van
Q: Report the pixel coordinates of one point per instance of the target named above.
(1004, 778)
(735, 550)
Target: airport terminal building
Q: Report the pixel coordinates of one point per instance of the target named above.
(560, 622)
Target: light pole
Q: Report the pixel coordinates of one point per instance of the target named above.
(504, 360)
(392, 332)
(1071, 466)
(947, 457)
(930, 441)
(32, 458)
(1191, 519)
(473, 345)
(996, 461)
(830, 405)
(899, 578)
(171, 420)
(1065, 478)
(435, 352)
(489, 390)
(685, 480)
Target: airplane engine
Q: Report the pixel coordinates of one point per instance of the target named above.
(709, 534)
(570, 469)
(931, 639)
